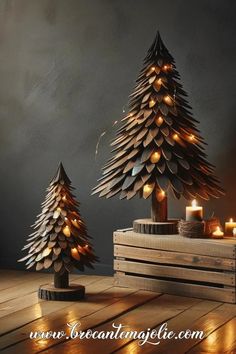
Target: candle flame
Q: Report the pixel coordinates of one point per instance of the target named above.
(231, 220)
(218, 232)
(194, 203)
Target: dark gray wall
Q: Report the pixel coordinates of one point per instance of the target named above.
(67, 68)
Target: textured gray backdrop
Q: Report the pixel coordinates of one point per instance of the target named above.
(66, 70)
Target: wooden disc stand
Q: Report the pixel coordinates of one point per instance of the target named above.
(61, 290)
(159, 223)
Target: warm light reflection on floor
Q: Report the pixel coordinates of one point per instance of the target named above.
(222, 339)
(38, 310)
(42, 343)
(44, 326)
(211, 340)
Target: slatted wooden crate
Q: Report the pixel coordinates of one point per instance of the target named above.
(203, 268)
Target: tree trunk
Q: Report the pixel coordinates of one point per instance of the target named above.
(61, 280)
(159, 206)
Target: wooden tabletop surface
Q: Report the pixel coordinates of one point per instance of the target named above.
(21, 312)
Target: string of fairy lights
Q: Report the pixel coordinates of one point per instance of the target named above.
(176, 136)
(75, 251)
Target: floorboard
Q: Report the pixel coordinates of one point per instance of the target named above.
(221, 340)
(22, 312)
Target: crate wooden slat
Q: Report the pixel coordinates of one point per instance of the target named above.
(212, 247)
(178, 258)
(174, 272)
(203, 268)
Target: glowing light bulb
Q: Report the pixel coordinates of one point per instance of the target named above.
(75, 223)
(151, 103)
(146, 190)
(64, 197)
(191, 137)
(175, 137)
(159, 121)
(75, 254)
(66, 231)
(155, 157)
(153, 68)
(167, 67)
(168, 100)
(161, 195)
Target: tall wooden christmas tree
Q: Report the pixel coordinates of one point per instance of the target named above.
(60, 240)
(158, 147)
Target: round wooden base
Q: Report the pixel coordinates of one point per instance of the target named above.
(147, 226)
(49, 292)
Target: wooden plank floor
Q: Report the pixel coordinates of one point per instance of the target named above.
(21, 312)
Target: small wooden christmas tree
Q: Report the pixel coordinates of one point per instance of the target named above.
(158, 148)
(60, 241)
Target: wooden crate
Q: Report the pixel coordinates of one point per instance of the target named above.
(203, 268)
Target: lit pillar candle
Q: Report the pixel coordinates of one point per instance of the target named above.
(194, 212)
(217, 233)
(229, 226)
